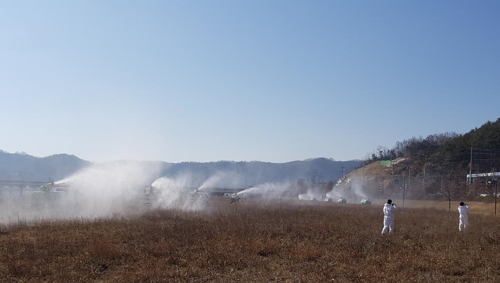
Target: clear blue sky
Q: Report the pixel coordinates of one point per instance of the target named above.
(242, 80)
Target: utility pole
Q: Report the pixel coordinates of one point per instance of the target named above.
(404, 190)
(425, 163)
(343, 171)
(409, 179)
(448, 191)
(470, 166)
(496, 194)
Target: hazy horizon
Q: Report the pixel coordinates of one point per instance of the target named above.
(166, 161)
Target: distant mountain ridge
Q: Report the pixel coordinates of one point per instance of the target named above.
(24, 167)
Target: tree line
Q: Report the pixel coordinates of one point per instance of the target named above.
(446, 160)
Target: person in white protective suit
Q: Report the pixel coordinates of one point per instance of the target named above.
(389, 208)
(463, 221)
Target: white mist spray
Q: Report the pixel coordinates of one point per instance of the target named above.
(97, 191)
(177, 194)
(271, 190)
(228, 180)
(357, 188)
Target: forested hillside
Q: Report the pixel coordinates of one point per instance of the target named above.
(441, 162)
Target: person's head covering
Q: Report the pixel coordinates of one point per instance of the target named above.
(461, 203)
(389, 201)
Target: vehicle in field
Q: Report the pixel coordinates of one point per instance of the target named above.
(366, 201)
(235, 198)
(196, 194)
(149, 196)
(342, 200)
(49, 195)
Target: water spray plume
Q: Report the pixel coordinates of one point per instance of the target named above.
(311, 194)
(357, 187)
(223, 180)
(271, 190)
(211, 182)
(348, 186)
(97, 191)
(177, 194)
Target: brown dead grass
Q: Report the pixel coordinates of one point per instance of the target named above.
(255, 242)
(477, 207)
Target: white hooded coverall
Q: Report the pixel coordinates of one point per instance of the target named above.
(388, 218)
(463, 219)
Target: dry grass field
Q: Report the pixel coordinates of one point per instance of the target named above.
(477, 207)
(255, 242)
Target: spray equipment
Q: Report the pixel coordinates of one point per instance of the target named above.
(49, 195)
(222, 179)
(96, 191)
(303, 197)
(311, 195)
(366, 201)
(177, 193)
(348, 187)
(196, 194)
(270, 190)
(341, 189)
(235, 198)
(150, 196)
